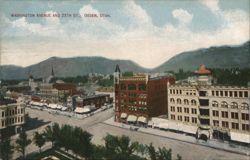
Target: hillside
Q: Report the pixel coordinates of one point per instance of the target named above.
(64, 67)
(213, 57)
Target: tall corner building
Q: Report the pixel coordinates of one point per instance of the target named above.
(12, 117)
(140, 96)
(210, 111)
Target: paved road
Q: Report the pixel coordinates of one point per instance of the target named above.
(95, 126)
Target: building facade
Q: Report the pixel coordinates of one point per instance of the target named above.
(12, 117)
(216, 111)
(140, 96)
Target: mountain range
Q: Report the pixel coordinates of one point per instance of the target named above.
(213, 57)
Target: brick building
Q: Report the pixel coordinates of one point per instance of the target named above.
(140, 96)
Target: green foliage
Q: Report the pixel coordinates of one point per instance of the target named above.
(75, 80)
(39, 140)
(71, 138)
(6, 149)
(128, 74)
(105, 82)
(22, 142)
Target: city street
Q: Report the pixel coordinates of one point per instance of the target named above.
(95, 126)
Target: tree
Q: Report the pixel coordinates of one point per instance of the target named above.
(22, 142)
(151, 152)
(6, 149)
(120, 147)
(39, 140)
(52, 133)
(164, 154)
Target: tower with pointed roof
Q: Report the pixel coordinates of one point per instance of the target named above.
(117, 74)
(204, 76)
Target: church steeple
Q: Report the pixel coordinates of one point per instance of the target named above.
(52, 72)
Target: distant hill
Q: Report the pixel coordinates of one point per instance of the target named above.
(64, 67)
(213, 57)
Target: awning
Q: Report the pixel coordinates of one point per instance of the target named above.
(52, 105)
(124, 115)
(142, 119)
(240, 137)
(163, 126)
(82, 110)
(173, 125)
(131, 118)
(189, 128)
(64, 108)
(150, 123)
(59, 107)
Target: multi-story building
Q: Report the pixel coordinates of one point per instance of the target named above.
(140, 96)
(12, 116)
(215, 111)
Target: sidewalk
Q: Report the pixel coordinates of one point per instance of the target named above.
(184, 138)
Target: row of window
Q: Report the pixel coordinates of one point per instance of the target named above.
(140, 87)
(133, 108)
(233, 105)
(11, 121)
(180, 92)
(11, 112)
(186, 110)
(134, 95)
(185, 101)
(240, 94)
(225, 124)
(183, 118)
(234, 115)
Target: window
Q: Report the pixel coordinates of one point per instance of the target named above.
(224, 114)
(244, 106)
(226, 93)
(245, 116)
(193, 102)
(216, 113)
(245, 127)
(186, 119)
(245, 94)
(172, 100)
(221, 93)
(215, 104)
(172, 117)
(234, 105)
(240, 94)
(3, 123)
(216, 123)
(3, 114)
(235, 94)
(194, 120)
(186, 102)
(235, 125)
(172, 109)
(179, 109)
(170, 91)
(212, 93)
(231, 93)
(142, 87)
(186, 110)
(179, 118)
(224, 104)
(217, 93)
(194, 111)
(234, 115)
(224, 124)
(178, 101)
(131, 87)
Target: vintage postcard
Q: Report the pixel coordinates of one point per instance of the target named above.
(125, 79)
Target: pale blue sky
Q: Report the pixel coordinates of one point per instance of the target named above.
(148, 32)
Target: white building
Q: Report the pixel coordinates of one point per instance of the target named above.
(215, 111)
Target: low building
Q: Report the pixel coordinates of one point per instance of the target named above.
(140, 96)
(12, 117)
(212, 111)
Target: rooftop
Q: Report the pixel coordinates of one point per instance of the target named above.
(202, 70)
(7, 101)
